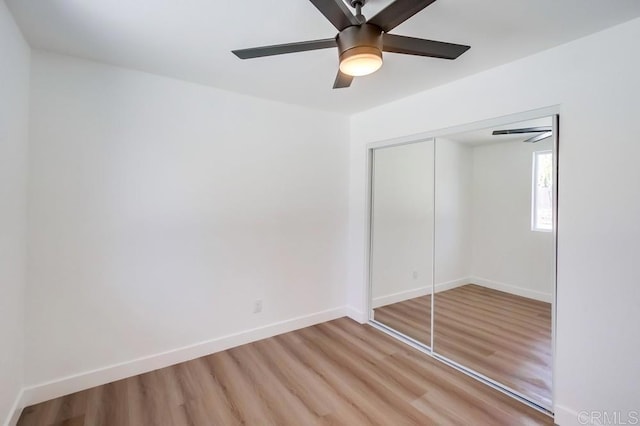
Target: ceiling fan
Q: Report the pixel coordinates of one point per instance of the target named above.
(541, 133)
(360, 42)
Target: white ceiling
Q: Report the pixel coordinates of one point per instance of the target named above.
(192, 40)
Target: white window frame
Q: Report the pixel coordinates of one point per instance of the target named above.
(534, 202)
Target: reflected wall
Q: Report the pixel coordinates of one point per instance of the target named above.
(402, 238)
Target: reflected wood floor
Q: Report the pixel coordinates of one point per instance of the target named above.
(500, 335)
(336, 373)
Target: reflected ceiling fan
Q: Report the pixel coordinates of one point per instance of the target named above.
(541, 133)
(360, 42)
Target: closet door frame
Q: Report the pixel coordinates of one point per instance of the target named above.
(551, 111)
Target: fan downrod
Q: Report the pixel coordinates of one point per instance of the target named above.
(357, 5)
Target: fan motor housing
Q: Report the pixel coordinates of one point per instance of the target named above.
(365, 35)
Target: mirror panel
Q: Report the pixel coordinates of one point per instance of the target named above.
(401, 263)
(494, 257)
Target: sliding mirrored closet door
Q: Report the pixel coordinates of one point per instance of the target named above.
(401, 266)
(463, 251)
(494, 257)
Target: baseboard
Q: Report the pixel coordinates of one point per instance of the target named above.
(77, 382)
(508, 288)
(16, 410)
(356, 315)
(564, 416)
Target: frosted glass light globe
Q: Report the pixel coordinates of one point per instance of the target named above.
(360, 61)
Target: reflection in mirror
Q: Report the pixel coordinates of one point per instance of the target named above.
(402, 238)
(495, 254)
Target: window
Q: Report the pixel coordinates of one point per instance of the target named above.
(542, 193)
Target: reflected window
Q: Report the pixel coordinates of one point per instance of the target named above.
(542, 205)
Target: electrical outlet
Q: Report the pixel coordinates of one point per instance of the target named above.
(257, 306)
(415, 275)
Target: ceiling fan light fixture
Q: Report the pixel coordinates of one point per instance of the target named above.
(359, 61)
(360, 42)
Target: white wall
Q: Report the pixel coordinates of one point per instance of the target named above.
(506, 253)
(402, 244)
(453, 198)
(161, 210)
(14, 108)
(595, 83)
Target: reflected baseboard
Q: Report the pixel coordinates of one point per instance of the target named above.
(450, 285)
(512, 289)
(401, 296)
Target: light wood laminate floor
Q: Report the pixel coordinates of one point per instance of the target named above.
(500, 335)
(335, 373)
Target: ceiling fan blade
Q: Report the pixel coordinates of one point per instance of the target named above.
(280, 49)
(540, 137)
(342, 80)
(336, 12)
(421, 47)
(398, 12)
(540, 129)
